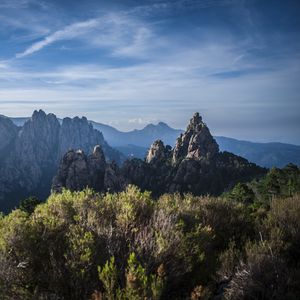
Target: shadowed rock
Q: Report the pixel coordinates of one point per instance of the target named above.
(196, 142)
(30, 154)
(194, 165)
(78, 171)
(8, 132)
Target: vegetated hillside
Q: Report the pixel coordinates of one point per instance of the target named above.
(278, 182)
(194, 165)
(83, 245)
(30, 154)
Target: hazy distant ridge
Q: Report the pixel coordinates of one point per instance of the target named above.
(136, 142)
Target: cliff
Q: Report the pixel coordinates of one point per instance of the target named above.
(30, 154)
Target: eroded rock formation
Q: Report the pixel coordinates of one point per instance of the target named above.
(30, 154)
(194, 165)
(196, 142)
(78, 171)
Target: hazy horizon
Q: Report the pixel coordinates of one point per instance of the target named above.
(142, 126)
(129, 63)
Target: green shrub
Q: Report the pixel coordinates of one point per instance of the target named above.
(137, 284)
(174, 247)
(109, 278)
(270, 268)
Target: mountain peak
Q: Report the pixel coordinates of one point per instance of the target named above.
(163, 124)
(160, 126)
(156, 152)
(196, 142)
(196, 122)
(149, 126)
(38, 114)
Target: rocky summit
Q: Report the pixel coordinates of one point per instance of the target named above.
(196, 142)
(194, 165)
(78, 170)
(30, 154)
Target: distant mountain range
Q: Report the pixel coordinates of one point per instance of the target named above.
(142, 138)
(263, 154)
(135, 143)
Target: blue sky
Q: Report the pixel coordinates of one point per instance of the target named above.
(129, 62)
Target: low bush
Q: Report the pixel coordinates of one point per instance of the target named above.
(83, 245)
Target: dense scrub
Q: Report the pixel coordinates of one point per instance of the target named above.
(82, 245)
(277, 183)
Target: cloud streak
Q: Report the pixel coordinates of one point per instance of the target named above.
(157, 60)
(125, 36)
(69, 32)
(162, 7)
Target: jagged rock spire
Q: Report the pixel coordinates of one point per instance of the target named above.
(196, 142)
(156, 152)
(198, 167)
(77, 170)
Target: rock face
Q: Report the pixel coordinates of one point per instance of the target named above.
(85, 138)
(77, 171)
(31, 154)
(35, 149)
(196, 142)
(158, 152)
(8, 132)
(194, 165)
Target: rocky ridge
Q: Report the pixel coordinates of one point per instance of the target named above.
(30, 154)
(194, 165)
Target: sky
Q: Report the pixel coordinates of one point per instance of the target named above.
(128, 63)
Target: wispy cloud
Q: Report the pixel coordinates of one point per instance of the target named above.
(4, 64)
(124, 35)
(162, 90)
(121, 31)
(14, 3)
(163, 7)
(147, 62)
(67, 33)
(142, 121)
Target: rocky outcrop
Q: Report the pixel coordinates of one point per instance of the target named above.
(78, 171)
(33, 153)
(195, 165)
(158, 152)
(196, 142)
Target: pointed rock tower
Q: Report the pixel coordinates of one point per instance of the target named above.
(196, 142)
(156, 152)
